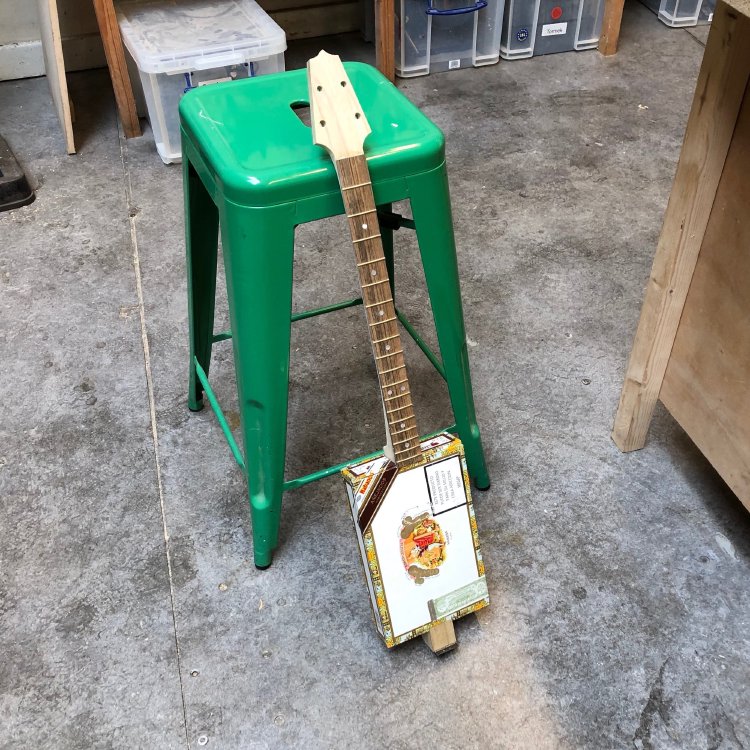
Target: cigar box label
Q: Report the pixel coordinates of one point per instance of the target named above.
(418, 539)
(467, 595)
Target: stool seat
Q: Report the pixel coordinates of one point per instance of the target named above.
(262, 154)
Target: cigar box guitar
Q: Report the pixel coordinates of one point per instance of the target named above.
(412, 506)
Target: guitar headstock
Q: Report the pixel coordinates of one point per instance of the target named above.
(337, 121)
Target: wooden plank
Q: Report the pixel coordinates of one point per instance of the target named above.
(718, 96)
(54, 65)
(441, 638)
(118, 69)
(385, 38)
(707, 383)
(317, 20)
(610, 36)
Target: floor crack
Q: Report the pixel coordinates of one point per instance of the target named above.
(655, 705)
(133, 213)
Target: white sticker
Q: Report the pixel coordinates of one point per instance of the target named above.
(453, 64)
(555, 29)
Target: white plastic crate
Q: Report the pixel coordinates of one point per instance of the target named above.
(177, 47)
(682, 13)
(541, 27)
(437, 35)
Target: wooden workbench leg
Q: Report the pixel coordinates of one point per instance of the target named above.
(385, 42)
(721, 85)
(610, 35)
(118, 69)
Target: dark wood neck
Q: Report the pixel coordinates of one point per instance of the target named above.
(359, 204)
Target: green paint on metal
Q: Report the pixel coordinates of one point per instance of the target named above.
(323, 473)
(223, 336)
(219, 415)
(421, 344)
(329, 308)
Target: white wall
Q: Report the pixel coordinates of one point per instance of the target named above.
(20, 45)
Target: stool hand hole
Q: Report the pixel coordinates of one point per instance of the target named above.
(302, 110)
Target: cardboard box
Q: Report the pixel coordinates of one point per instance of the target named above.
(418, 539)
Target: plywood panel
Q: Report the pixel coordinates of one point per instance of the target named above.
(707, 382)
(718, 96)
(54, 65)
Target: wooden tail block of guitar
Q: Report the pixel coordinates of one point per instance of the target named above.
(441, 638)
(417, 535)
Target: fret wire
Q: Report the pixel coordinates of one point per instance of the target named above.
(409, 450)
(403, 419)
(387, 338)
(392, 354)
(375, 304)
(400, 408)
(398, 382)
(362, 213)
(351, 187)
(376, 260)
(375, 283)
(405, 440)
(402, 395)
(364, 239)
(380, 322)
(392, 369)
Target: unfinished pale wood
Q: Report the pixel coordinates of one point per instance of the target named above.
(385, 38)
(610, 36)
(441, 637)
(118, 69)
(54, 65)
(336, 118)
(718, 96)
(707, 383)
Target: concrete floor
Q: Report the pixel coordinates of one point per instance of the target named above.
(619, 583)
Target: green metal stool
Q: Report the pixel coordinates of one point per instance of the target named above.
(250, 167)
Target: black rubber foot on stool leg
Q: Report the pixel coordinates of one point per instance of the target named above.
(262, 567)
(483, 489)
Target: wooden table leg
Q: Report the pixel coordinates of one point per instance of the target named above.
(385, 42)
(610, 35)
(118, 69)
(716, 105)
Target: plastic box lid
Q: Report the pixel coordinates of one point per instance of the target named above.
(174, 36)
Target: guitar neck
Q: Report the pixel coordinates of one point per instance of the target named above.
(359, 203)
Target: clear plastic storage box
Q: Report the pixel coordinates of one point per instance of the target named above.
(179, 46)
(436, 35)
(683, 12)
(541, 27)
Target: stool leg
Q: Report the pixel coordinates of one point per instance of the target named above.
(431, 210)
(201, 240)
(258, 246)
(386, 236)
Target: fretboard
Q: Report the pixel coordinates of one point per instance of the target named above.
(380, 310)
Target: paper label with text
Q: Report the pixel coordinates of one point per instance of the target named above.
(555, 29)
